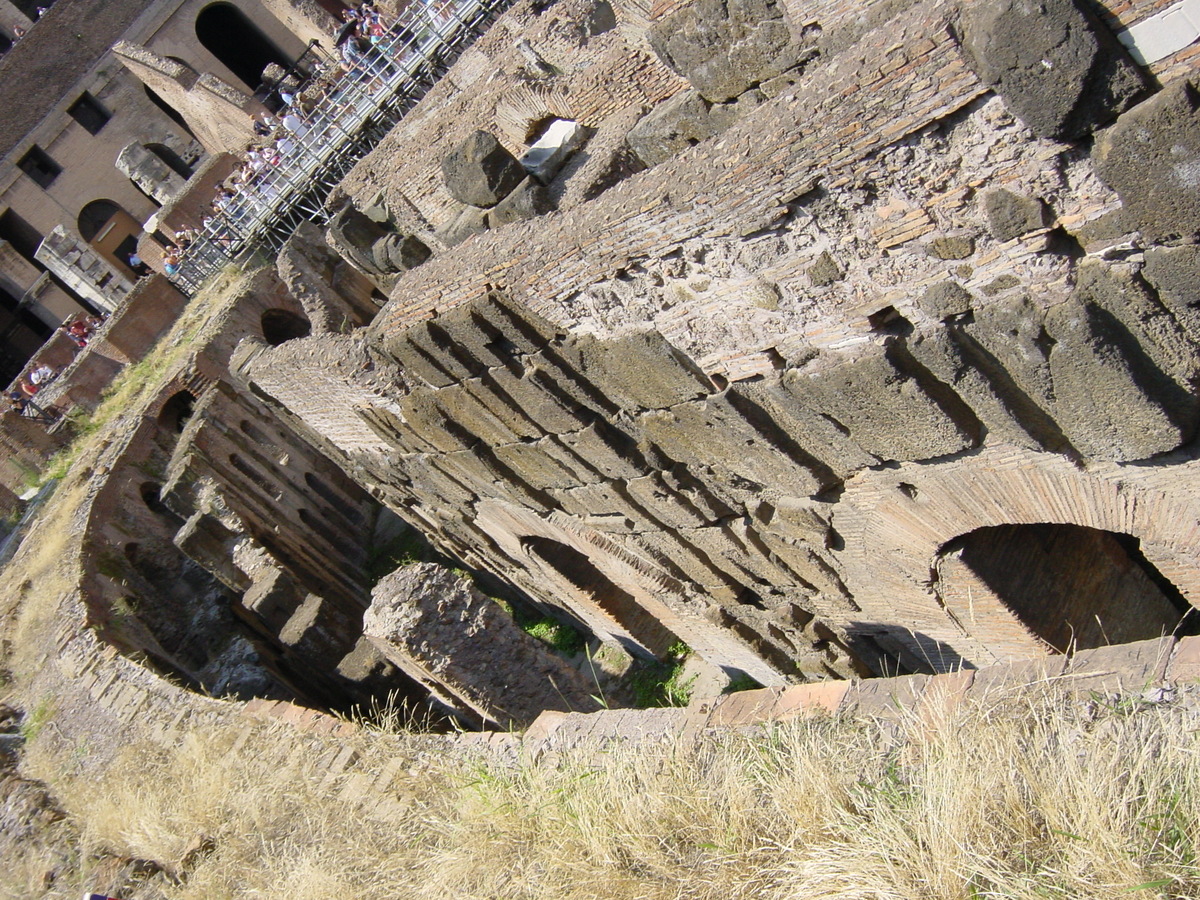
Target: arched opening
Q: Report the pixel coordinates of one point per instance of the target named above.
(173, 160)
(94, 217)
(598, 589)
(176, 412)
(151, 494)
(111, 232)
(1058, 587)
(279, 325)
(238, 43)
(168, 110)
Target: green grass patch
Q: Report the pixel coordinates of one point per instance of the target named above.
(562, 638)
(663, 683)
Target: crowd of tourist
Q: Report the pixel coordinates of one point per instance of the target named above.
(368, 48)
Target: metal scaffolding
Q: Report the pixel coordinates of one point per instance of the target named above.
(352, 117)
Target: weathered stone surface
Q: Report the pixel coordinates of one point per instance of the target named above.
(1056, 66)
(1100, 401)
(480, 171)
(1010, 215)
(470, 221)
(1174, 272)
(724, 47)
(956, 247)
(684, 121)
(1151, 157)
(640, 370)
(885, 410)
(824, 271)
(945, 299)
(439, 629)
(526, 201)
(713, 432)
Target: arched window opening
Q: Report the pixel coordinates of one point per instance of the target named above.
(238, 43)
(280, 325)
(94, 217)
(176, 412)
(1065, 587)
(173, 160)
(151, 494)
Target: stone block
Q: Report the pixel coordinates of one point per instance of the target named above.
(464, 408)
(480, 171)
(713, 432)
(666, 505)
(467, 222)
(607, 450)
(1174, 272)
(534, 466)
(683, 121)
(725, 48)
(527, 200)
(885, 697)
(882, 408)
(549, 153)
(604, 506)
(1010, 215)
(1151, 158)
(945, 299)
(438, 628)
(1133, 667)
(1111, 404)
(824, 271)
(1055, 64)
(534, 393)
(431, 424)
(638, 371)
(952, 247)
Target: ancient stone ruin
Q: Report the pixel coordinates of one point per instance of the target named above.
(839, 340)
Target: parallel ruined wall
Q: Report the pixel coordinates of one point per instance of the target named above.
(893, 315)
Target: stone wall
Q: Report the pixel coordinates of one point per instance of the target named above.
(750, 397)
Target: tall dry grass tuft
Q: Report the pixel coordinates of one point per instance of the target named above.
(1033, 795)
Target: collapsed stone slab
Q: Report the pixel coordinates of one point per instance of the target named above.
(440, 630)
(1056, 66)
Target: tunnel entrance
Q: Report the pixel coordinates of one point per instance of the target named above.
(1063, 587)
(238, 43)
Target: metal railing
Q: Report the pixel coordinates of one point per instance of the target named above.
(355, 113)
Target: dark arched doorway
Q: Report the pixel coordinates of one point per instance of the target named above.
(177, 411)
(238, 43)
(110, 231)
(279, 325)
(1067, 587)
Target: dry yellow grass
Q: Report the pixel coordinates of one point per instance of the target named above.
(1035, 796)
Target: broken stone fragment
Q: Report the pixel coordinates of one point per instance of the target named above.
(1151, 158)
(435, 626)
(1055, 64)
(724, 48)
(1010, 215)
(824, 271)
(946, 299)
(480, 171)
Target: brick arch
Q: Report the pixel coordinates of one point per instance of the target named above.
(520, 534)
(895, 523)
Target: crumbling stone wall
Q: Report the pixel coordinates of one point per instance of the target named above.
(746, 398)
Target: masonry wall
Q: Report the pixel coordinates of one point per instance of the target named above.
(747, 397)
